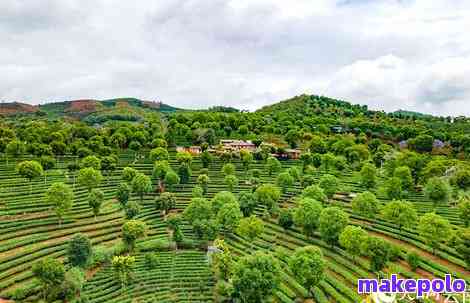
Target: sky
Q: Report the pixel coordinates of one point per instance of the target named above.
(390, 54)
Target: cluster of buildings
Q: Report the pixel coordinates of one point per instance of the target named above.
(229, 145)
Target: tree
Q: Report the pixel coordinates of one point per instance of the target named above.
(463, 248)
(332, 222)
(221, 199)
(109, 164)
(51, 274)
(329, 184)
(306, 215)
(95, 200)
(131, 231)
(89, 178)
(15, 148)
(123, 268)
(379, 252)
(314, 192)
(184, 158)
(206, 229)
(306, 159)
(123, 193)
(404, 174)
(308, 266)
(461, 178)
(159, 154)
(402, 213)
(197, 192)
(91, 161)
(184, 173)
(228, 169)
(60, 196)
(73, 284)
(255, 278)
(171, 179)
(272, 165)
(197, 210)
(206, 159)
(365, 204)
(422, 143)
(286, 218)
(352, 239)
(464, 210)
(393, 188)
(160, 168)
(231, 181)
(229, 217)
(203, 181)
(247, 203)
(247, 159)
(437, 190)
(47, 163)
(268, 195)
(141, 184)
(251, 227)
(368, 175)
(165, 202)
(128, 173)
(284, 180)
(132, 209)
(29, 170)
(413, 260)
(434, 229)
(79, 250)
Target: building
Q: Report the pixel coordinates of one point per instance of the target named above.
(237, 145)
(293, 153)
(191, 149)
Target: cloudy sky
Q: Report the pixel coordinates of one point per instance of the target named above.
(405, 54)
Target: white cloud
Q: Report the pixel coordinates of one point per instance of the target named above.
(194, 53)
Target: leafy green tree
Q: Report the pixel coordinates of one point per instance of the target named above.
(79, 250)
(128, 173)
(272, 165)
(60, 196)
(109, 164)
(461, 178)
(247, 159)
(368, 175)
(131, 231)
(464, 247)
(402, 213)
(434, 229)
(221, 199)
(184, 158)
(329, 184)
(365, 204)
(95, 200)
(206, 159)
(247, 203)
(307, 160)
(141, 184)
(160, 169)
(228, 169)
(251, 227)
(255, 278)
(206, 229)
(15, 148)
(332, 222)
(379, 252)
(404, 174)
(413, 260)
(393, 189)
(352, 239)
(308, 266)
(437, 190)
(165, 202)
(171, 179)
(29, 170)
(50, 273)
(197, 192)
(306, 215)
(284, 180)
(123, 267)
(47, 163)
(73, 284)
(132, 209)
(422, 143)
(286, 218)
(159, 154)
(314, 192)
(231, 181)
(203, 181)
(464, 210)
(184, 173)
(89, 178)
(229, 216)
(268, 195)
(123, 193)
(198, 209)
(91, 161)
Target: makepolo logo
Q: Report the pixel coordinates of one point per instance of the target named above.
(385, 290)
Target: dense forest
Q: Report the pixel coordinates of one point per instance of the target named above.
(104, 201)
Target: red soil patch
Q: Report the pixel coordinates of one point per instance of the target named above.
(82, 106)
(14, 108)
